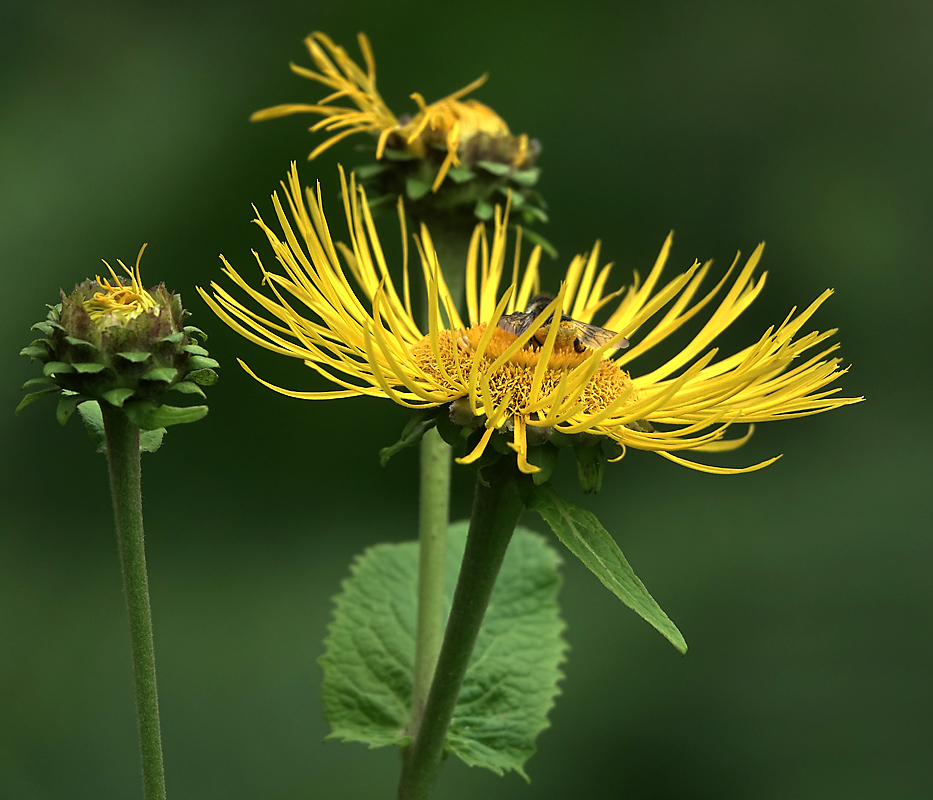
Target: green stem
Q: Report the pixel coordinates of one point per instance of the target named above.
(123, 460)
(497, 505)
(451, 246)
(435, 512)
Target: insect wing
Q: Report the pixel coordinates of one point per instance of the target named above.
(516, 323)
(594, 336)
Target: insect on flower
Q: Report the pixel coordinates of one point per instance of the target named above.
(570, 333)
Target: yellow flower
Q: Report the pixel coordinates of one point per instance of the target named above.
(365, 339)
(465, 128)
(118, 301)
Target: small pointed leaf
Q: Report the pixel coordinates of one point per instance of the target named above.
(397, 155)
(203, 377)
(187, 387)
(526, 177)
(195, 350)
(79, 343)
(591, 543)
(90, 368)
(165, 374)
(67, 406)
(495, 167)
(135, 357)
(117, 397)
(202, 362)
(411, 435)
(35, 351)
(460, 174)
(483, 210)
(366, 171)
(148, 416)
(31, 398)
(43, 382)
(57, 368)
(416, 189)
(191, 331)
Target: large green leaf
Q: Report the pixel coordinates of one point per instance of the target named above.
(510, 684)
(591, 543)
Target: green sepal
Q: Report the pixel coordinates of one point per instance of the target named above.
(510, 684)
(201, 362)
(172, 338)
(455, 435)
(147, 416)
(412, 433)
(43, 381)
(203, 377)
(545, 457)
(82, 343)
(136, 357)
(43, 327)
(93, 419)
(397, 155)
(366, 171)
(526, 177)
(195, 350)
(536, 238)
(460, 174)
(56, 368)
(191, 330)
(589, 541)
(31, 398)
(187, 387)
(518, 201)
(415, 189)
(117, 397)
(89, 368)
(35, 351)
(532, 214)
(590, 464)
(483, 210)
(165, 374)
(495, 167)
(67, 406)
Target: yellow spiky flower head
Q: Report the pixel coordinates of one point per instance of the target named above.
(357, 329)
(455, 155)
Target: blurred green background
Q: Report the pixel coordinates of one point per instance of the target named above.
(804, 590)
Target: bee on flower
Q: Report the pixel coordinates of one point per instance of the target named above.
(526, 382)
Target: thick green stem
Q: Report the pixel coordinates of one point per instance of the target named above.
(435, 512)
(123, 459)
(496, 509)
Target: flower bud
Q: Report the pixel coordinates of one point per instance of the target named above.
(114, 341)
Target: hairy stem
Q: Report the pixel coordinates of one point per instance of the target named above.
(497, 505)
(451, 246)
(435, 511)
(123, 460)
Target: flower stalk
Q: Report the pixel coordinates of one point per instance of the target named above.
(432, 551)
(497, 506)
(451, 245)
(123, 461)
